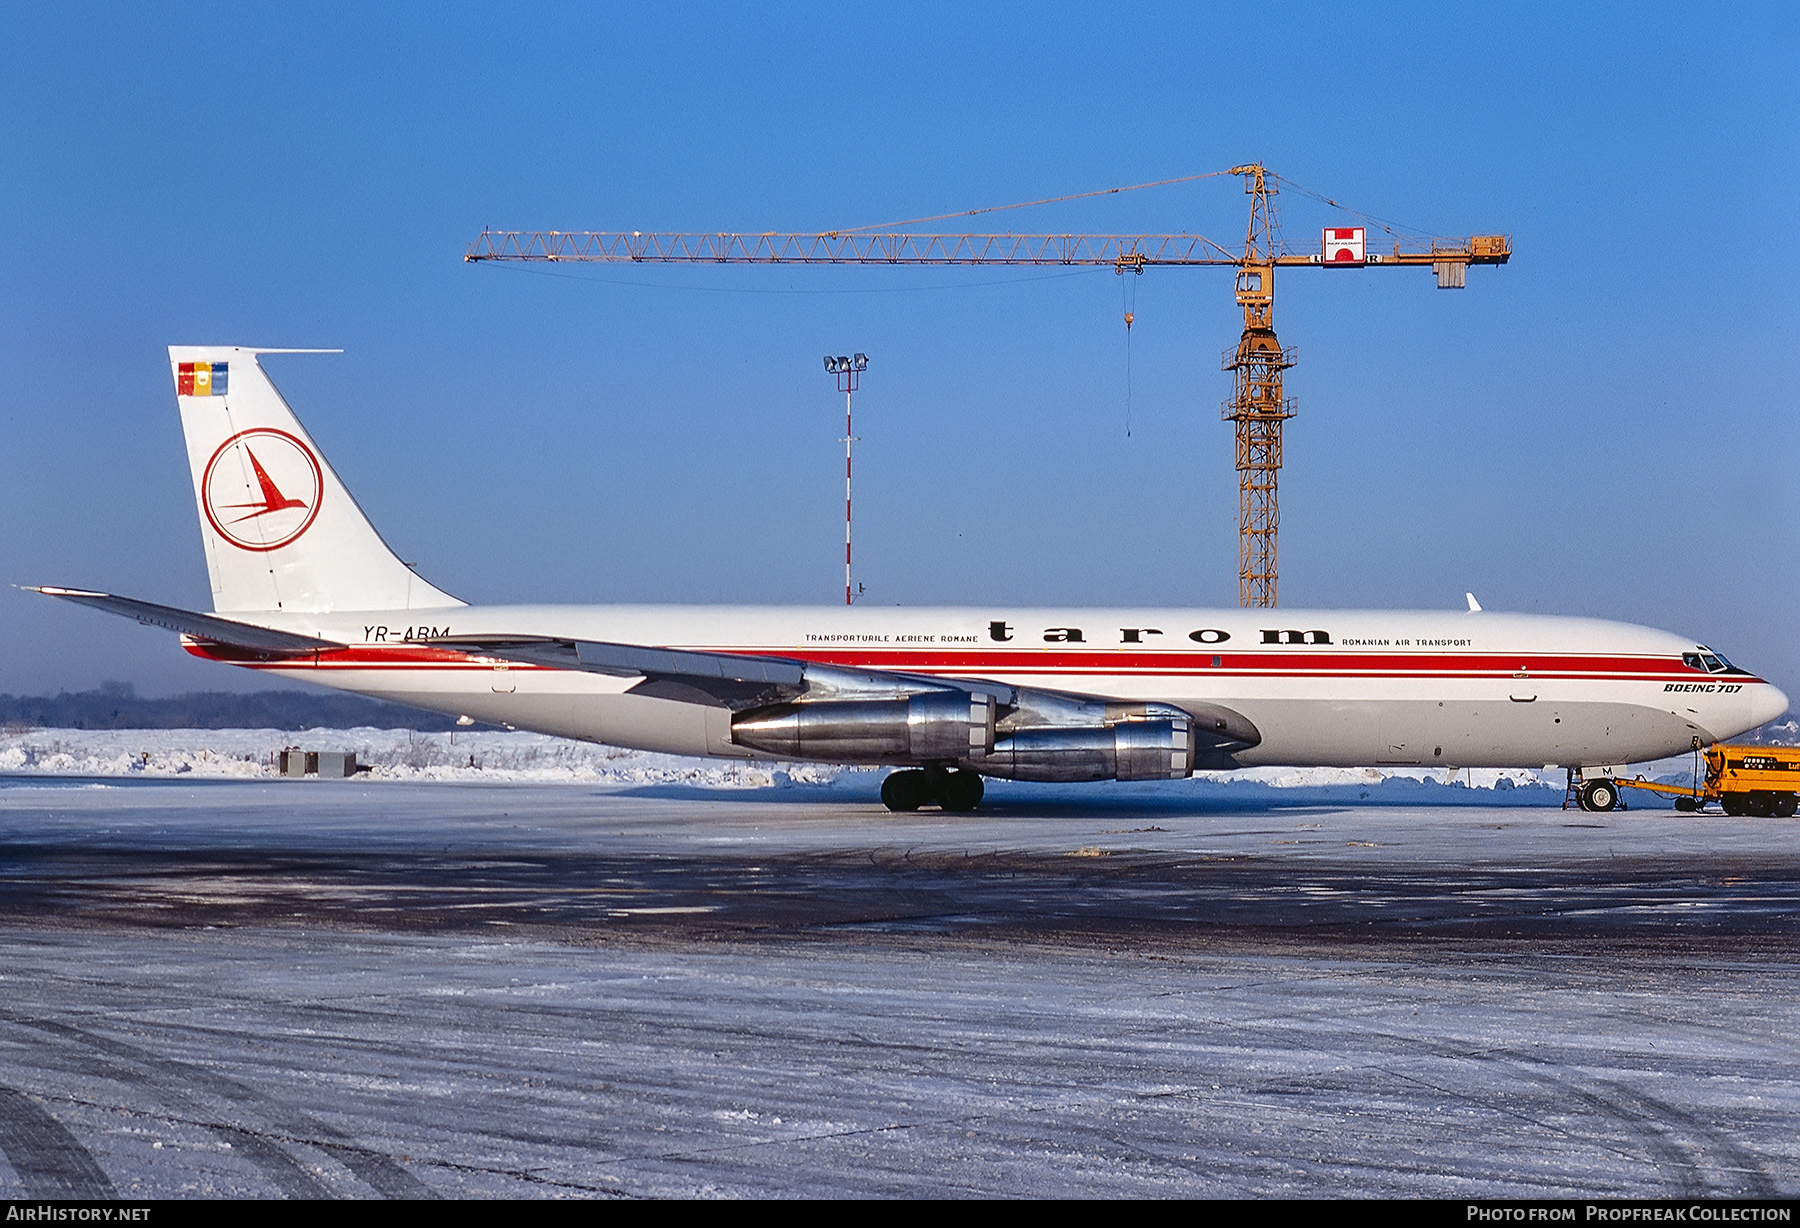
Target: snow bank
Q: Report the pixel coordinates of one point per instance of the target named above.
(391, 754)
(483, 755)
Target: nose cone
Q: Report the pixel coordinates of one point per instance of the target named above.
(1766, 703)
(1727, 716)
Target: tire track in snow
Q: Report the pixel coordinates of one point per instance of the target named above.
(49, 1160)
(1728, 1156)
(266, 1148)
(1699, 1158)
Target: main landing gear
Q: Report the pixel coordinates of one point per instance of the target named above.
(915, 787)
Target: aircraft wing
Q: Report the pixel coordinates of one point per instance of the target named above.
(743, 682)
(208, 627)
(717, 679)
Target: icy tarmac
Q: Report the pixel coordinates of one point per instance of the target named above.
(358, 989)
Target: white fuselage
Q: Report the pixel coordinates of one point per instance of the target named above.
(1332, 687)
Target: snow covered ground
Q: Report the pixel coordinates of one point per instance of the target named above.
(529, 758)
(258, 988)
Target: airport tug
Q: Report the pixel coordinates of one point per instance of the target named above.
(1752, 780)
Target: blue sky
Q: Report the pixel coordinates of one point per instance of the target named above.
(1606, 426)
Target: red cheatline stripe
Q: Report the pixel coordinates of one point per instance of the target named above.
(1035, 661)
(1042, 663)
(1109, 661)
(1117, 661)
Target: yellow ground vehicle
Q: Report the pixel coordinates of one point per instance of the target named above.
(1757, 780)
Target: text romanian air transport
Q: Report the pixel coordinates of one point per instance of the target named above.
(304, 587)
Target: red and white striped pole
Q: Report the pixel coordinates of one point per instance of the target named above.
(847, 369)
(848, 440)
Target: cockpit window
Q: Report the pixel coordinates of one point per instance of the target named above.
(1706, 659)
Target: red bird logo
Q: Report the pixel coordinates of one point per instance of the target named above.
(272, 501)
(249, 525)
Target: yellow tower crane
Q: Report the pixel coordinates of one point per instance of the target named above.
(1257, 409)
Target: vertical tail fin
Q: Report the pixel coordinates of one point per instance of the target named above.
(281, 531)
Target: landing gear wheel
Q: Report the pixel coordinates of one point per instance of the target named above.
(960, 791)
(1687, 803)
(906, 790)
(1785, 805)
(1600, 795)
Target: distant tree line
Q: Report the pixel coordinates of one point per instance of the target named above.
(117, 705)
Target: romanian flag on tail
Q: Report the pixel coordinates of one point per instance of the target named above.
(202, 379)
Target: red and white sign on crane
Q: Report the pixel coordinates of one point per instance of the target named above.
(1344, 245)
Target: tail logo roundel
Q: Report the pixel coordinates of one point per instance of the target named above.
(261, 489)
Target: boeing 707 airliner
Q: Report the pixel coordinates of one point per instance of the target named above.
(304, 588)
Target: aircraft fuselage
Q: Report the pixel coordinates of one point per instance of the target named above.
(1322, 687)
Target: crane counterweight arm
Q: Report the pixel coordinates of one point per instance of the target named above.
(1476, 249)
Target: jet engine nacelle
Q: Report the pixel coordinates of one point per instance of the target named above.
(1129, 750)
(937, 726)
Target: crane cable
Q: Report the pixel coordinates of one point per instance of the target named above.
(1398, 230)
(1128, 300)
(1026, 204)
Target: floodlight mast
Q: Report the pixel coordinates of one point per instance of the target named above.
(848, 369)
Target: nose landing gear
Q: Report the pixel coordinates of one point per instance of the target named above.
(958, 792)
(1599, 795)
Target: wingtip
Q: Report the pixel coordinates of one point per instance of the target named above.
(50, 590)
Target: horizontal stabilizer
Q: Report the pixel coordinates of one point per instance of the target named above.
(188, 622)
(629, 660)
